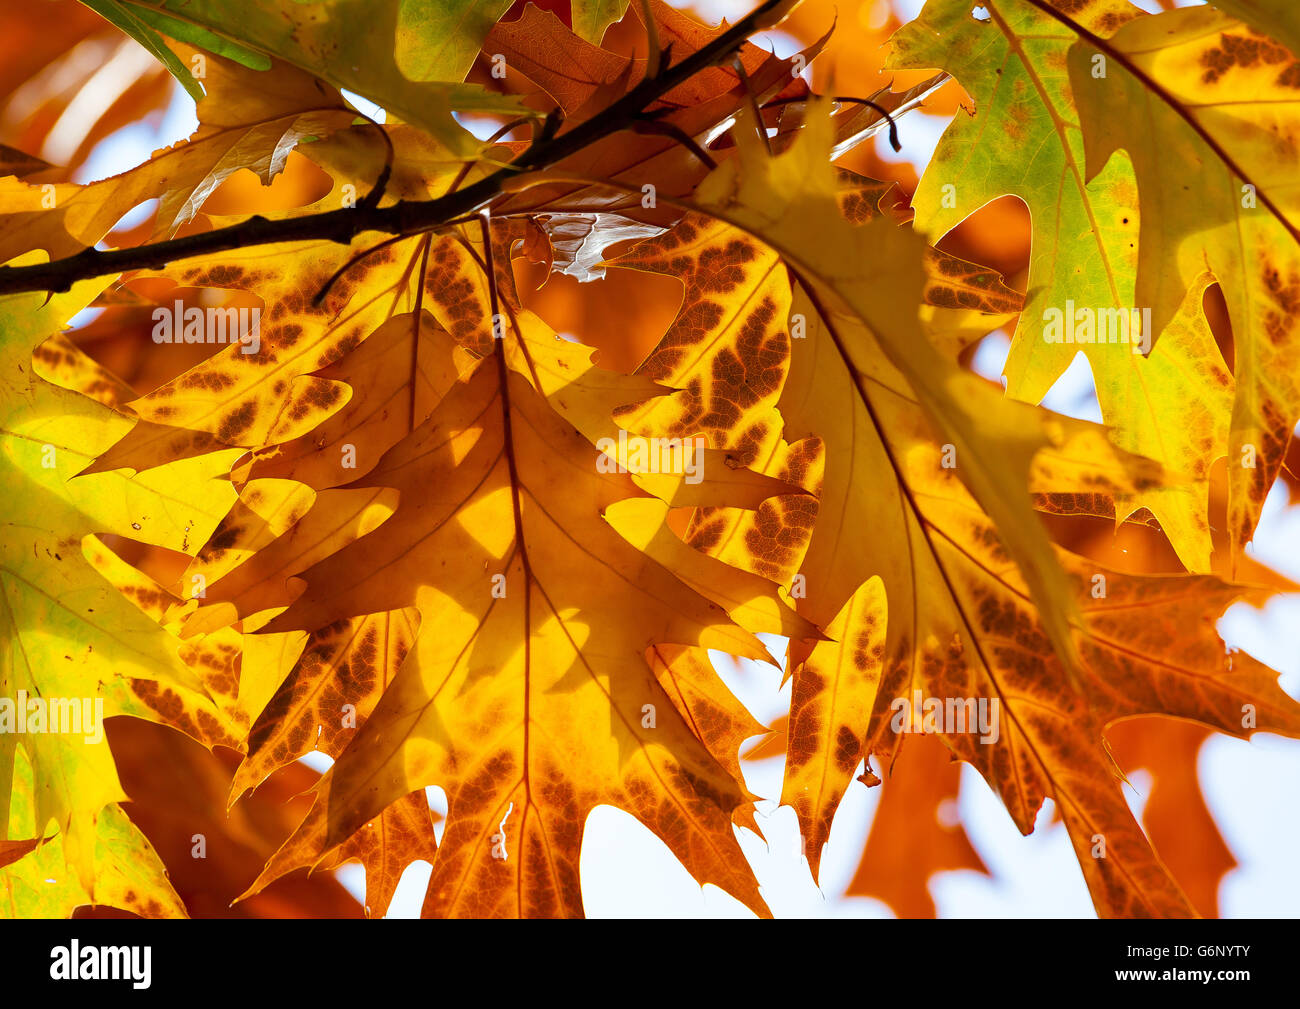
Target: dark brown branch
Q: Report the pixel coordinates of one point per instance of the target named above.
(406, 217)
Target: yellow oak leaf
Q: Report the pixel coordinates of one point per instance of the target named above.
(527, 695)
(1204, 105)
(66, 634)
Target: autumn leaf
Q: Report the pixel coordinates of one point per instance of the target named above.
(400, 55)
(1282, 24)
(802, 220)
(1085, 249)
(465, 444)
(526, 637)
(913, 834)
(1205, 97)
(240, 127)
(971, 572)
(53, 594)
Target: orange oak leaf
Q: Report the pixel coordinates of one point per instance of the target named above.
(241, 126)
(1176, 818)
(914, 833)
(532, 702)
(178, 800)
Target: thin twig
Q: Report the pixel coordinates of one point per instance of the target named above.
(406, 217)
(893, 126)
(676, 133)
(319, 296)
(469, 165)
(753, 103)
(654, 57)
(372, 198)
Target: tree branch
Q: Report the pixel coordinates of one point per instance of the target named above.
(406, 217)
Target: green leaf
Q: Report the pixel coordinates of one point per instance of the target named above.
(592, 17)
(437, 40)
(1208, 111)
(138, 28)
(1024, 140)
(65, 631)
(408, 56)
(128, 873)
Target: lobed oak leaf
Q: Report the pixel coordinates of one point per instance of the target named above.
(962, 301)
(972, 632)
(1208, 103)
(792, 200)
(933, 558)
(835, 688)
(54, 596)
(242, 125)
(913, 835)
(533, 696)
(35, 882)
(399, 55)
(1061, 131)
